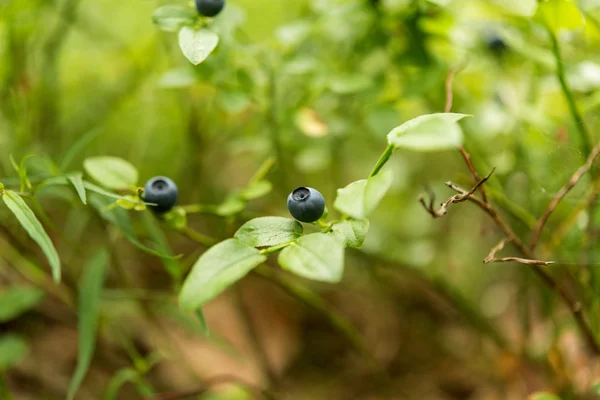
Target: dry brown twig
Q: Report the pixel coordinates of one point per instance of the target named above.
(491, 258)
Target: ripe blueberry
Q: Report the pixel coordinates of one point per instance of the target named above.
(209, 8)
(161, 191)
(306, 204)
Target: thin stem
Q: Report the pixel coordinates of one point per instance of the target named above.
(199, 208)
(577, 118)
(382, 160)
(198, 237)
(4, 393)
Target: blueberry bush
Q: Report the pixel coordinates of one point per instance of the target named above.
(317, 199)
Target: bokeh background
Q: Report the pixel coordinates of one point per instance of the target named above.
(317, 85)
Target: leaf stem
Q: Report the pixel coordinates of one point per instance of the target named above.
(577, 118)
(382, 160)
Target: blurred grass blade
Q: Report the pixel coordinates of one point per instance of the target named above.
(77, 181)
(21, 169)
(153, 229)
(120, 378)
(34, 228)
(120, 219)
(17, 300)
(89, 305)
(203, 322)
(97, 189)
(78, 147)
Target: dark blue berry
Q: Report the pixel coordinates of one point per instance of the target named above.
(161, 191)
(496, 44)
(306, 204)
(209, 8)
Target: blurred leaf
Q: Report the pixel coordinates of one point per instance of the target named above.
(596, 388)
(202, 319)
(18, 300)
(177, 78)
(430, 132)
(560, 14)
(269, 231)
(12, 350)
(233, 102)
(88, 313)
(360, 198)
(523, 8)
(317, 256)
(96, 189)
(157, 235)
(353, 231)
(4, 393)
(310, 123)
(347, 84)
(543, 396)
(231, 206)
(77, 182)
(120, 219)
(197, 45)
(34, 228)
(219, 267)
(111, 172)
(78, 147)
(171, 18)
(21, 169)
(256, 190)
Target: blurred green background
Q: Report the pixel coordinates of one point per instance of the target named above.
(317, 85)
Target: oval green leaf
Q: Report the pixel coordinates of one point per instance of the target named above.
(431, 132)
(111, 172)
(352, 231)
(34, 228)
(317, 256)
(360, 198)
(219, 267)
(171, 18)
(197, 45)
(12, 350)
(88, 312)
(18, 300)
(269, 231)
(77, 182)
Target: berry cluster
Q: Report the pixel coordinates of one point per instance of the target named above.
(305, 203)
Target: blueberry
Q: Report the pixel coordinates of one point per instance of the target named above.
(306, 204)
(496, 44)
(161, 191)
(209, 8)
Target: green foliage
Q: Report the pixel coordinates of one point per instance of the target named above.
(543, 396)
(360, 198)
(269, 231)
(431, 132)
(171, 18)
(353, 231)
(217, 269)
(317, 256)
(77, 182)
(197, 45)
(34, 228)
(112, 172)
(88, 312)
(18, 300)
(560, 15)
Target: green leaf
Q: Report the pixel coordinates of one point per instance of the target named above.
(96, 189)
(219, 267)
(88, 313)
(560, 14)
(353, 231)
(596, 387)
(177, 78)
(269, 231)
(317, 256)
(111, 172)
(197, 45)
(203, 323)
(77, 182)
(256, 190)
(120, 218)
(12, 350)
(231, 206)
(18, 300)
(360, 198)
(431, 132)
(21, 169)
(34, 228)
(159, 238)
(172, 18)
(543, 396)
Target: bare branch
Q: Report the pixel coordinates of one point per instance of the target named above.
(491, 258)
(561, 194)
(457, 198)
